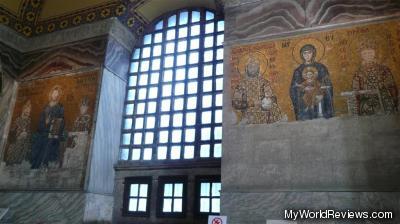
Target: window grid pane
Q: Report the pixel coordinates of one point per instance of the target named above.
(173, 198)
(138, 195)
(209, 197)
(175, 91)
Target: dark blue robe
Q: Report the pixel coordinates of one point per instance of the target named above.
(46, 142)
(296, 94)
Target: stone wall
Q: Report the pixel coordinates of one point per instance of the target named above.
(346, 162)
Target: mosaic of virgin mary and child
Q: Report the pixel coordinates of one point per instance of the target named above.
(311, 89)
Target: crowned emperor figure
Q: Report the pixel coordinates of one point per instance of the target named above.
(254, 97)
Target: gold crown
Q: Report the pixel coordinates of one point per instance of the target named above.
(252, 60)
(85, 101)
(367, 43)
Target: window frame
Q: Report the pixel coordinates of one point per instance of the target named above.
(212, 142)
(198, 181)
(136, 180)
(162, 180)
(151, 27)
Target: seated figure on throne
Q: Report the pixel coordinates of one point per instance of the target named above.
(47, 141)
(254, 97)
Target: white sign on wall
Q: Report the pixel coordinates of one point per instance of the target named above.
(213, 219)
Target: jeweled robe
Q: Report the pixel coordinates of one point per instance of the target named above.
(248, 97)
(82, 123)
(378, 78)
(20, 147)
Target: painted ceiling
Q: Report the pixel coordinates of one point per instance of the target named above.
(36, 17)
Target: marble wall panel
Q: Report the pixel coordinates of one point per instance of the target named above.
(117, 58)
(263, 18)
(10, 65)
(108, 133)
(105, 27)
(11, 60)
(250, 20)
(323, 12)
(256, 208)
(8, 93)
(44, 207)
(77, 56)
(98, 208)
(352, 154)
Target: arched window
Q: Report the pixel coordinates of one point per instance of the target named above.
(173, 108)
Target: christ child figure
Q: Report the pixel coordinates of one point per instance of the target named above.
(311, 88)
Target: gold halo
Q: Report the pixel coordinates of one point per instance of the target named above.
(58, 88)
(319, 46)
(242, 62)
(380, 48)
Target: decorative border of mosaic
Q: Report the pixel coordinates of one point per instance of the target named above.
(27, 21)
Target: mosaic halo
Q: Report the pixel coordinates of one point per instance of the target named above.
(58, 88)
(242, 62)
(319, 46)
(380, 45)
